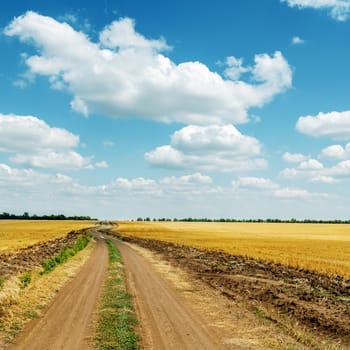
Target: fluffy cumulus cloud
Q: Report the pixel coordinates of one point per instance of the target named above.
(314, 171)
(310, 164)
(211, 148)
(131, 197)
(334, 125)
(338, 9)
(125, 74)
(20, 133)
(294, 157)
(27, 180)
(192, 184)
(32, 142)
(341, 169)
(336, 152)
(234, 68)
(185, 180)
(311, 170)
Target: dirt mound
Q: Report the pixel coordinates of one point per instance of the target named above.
(320, 302)
(25, 259)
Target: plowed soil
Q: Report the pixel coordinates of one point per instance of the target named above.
(320, 302)
(25, 259)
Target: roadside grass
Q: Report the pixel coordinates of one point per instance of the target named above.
(50, 264)
(115, 328)
(23, 297)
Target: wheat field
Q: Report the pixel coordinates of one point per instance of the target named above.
(16, 234)
(317, 247)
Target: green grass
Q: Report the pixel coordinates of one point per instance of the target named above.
(115, 329)
(25, 279)
(2, 281)
(49, 264)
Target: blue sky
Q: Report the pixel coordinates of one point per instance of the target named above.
(120, 109)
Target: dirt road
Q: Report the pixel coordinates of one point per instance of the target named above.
(65, 324)
(167, 322)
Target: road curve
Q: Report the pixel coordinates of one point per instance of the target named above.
(65, 323)
(167, 322)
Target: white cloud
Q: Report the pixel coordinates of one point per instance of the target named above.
(20, 133)
(212, 148)
(102, 164)
(291, 173)
(121, 35)
(125, 75)
(322, 175)
(267, 186)
(297, 193)
(291, 193)
(138, 185)
(314, 171)
(259, 183)
(126, 198)
(341, 170)
(52, 160)
(196, 178)
(200, 139)
(296, 40)
(310, 164)
(15, 179)
(324, 179)
(235, 68)
(338, 9)
(190, 184)
(32, 142)
(294, 157)
(336, 152)
(78, 105)
(334, 125)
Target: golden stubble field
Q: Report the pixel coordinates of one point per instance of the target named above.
(317, 247)
(15, 234)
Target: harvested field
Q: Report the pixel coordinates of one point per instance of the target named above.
(25, 259)
(321, 248)
(312, 308)
(294, 275)
(15, 234)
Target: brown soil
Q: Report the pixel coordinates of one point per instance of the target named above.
(167, 320)
(320, 302)
(66, 324)
(25, 259)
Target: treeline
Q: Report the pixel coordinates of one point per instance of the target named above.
(297, 221)
(26, 216)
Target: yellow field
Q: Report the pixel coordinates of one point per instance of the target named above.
(16, 234)
(318, 247)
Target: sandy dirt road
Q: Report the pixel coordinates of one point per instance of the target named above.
(167, 322)
(65, 324)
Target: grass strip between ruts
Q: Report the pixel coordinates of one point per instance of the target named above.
(115, 329)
